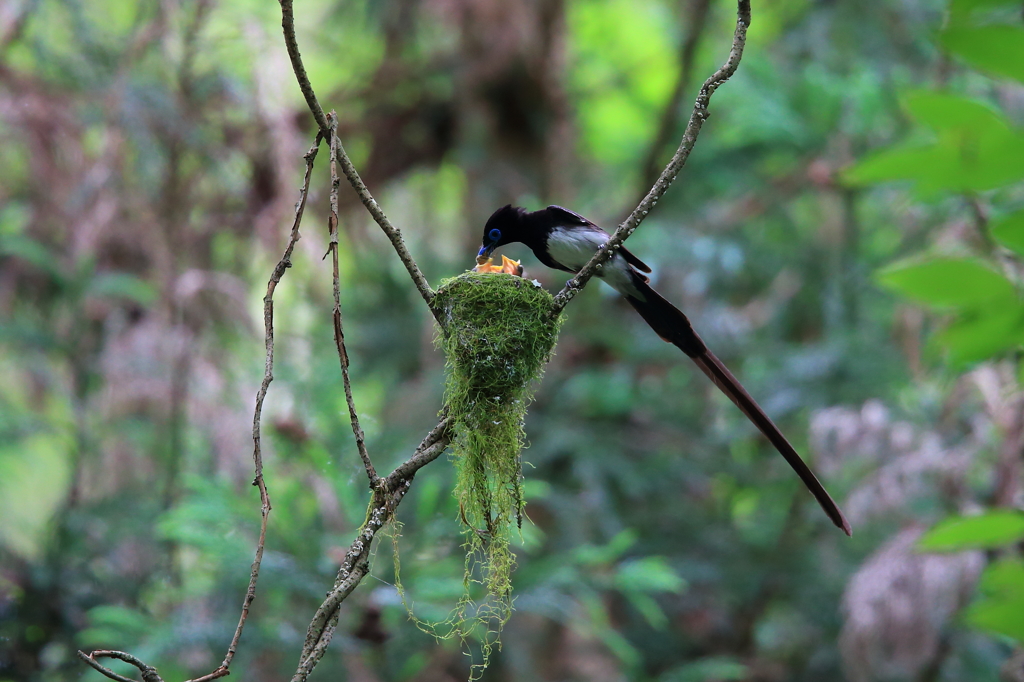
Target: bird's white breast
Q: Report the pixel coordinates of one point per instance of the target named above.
(574, 247)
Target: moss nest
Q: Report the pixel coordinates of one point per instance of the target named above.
(497, 338)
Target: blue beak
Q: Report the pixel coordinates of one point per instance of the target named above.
(485, 251)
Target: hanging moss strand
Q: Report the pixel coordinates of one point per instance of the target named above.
(497, 338)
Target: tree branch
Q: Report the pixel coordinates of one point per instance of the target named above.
(697, 118)
(288, 26)
(354, 568)
(392, 232)
(149, 673)
(339, 334)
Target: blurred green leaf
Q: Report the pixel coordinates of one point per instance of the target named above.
(122, 285)
(649, 609)
(945, 111)
(1009, 231)
(649, 574)
(1001, 607)
(991, 530)
(997, 49)
(947, 282)
(975, 148)
(35, 473)
(713, 669)
(960, 9)
(114, 626)
(982, 334)
(30, 251)
(605, 554)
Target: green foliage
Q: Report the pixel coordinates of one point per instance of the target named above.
(949, 282)
(625, 71)
(989, 316)
(1009, 231)
(991, 530)
(996, 49)
(1000, 608)
(969, 147)
(986, 35)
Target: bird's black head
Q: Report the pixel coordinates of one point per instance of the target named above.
(503, 227)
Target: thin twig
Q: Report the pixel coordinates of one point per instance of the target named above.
(697, 118)
(149, 673)
(339, 334)
(288, 26)
(268, 376)
(392, 232)
(354, 568)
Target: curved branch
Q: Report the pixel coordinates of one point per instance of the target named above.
(392, 232)
(697, 118)
(354, 568)
(288, 26)
(149, 673)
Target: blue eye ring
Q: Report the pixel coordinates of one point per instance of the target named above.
(494, 235)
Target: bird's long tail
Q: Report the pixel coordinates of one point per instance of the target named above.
(673, 326)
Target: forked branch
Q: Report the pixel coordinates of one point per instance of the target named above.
(393, 233)
(386, 498)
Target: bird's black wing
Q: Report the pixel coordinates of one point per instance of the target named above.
(565, 217)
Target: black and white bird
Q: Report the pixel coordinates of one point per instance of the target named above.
(565, 240)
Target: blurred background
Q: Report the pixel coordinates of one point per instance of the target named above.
(846, 236)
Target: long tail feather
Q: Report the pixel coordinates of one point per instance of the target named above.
(672, 325)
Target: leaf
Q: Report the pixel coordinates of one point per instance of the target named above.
(30, 251)
(945, 111)
(649, 609)
(999, 615)
(997, 49)
(592, 555)
(1009, 231)
(947, 282)
(960, 9)
(712, 669)
(35, 473)
(899, 162)
(122, 285)
(649, 574)
(991, 530)
(974, 149)
(1001, 608)
(962, 160)
(982, 335)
